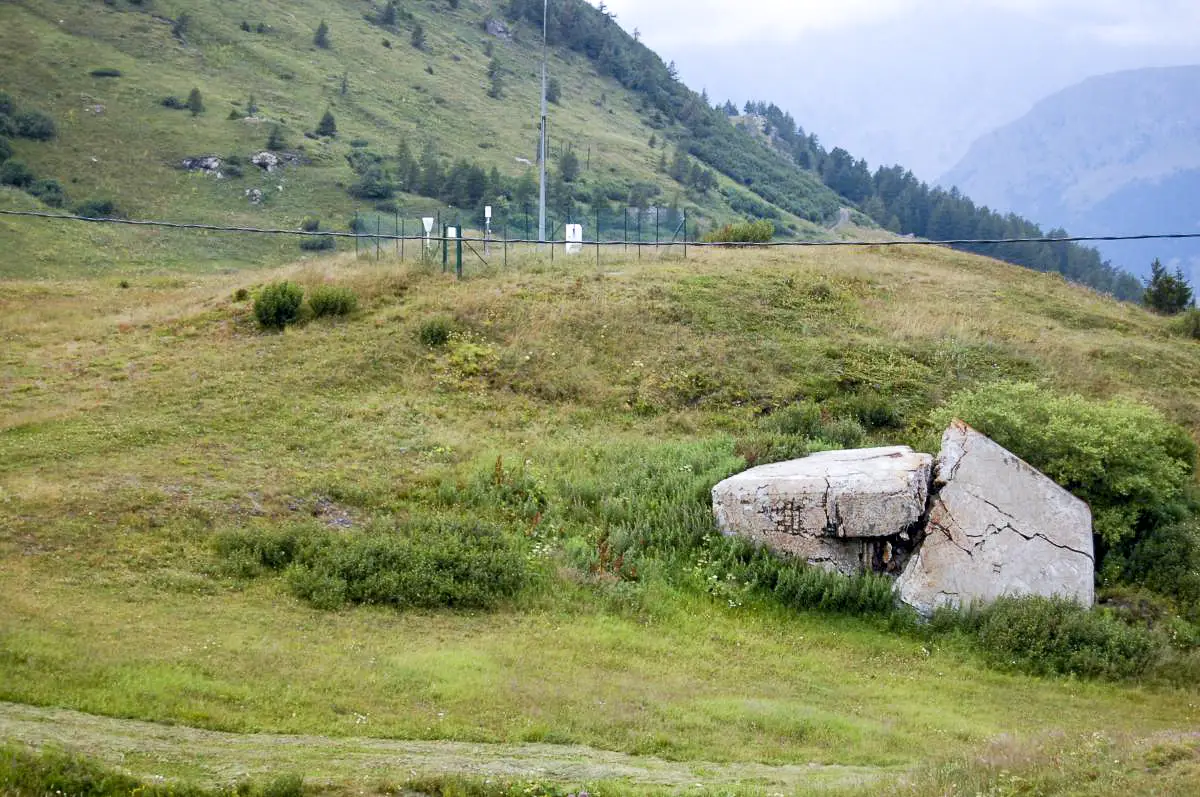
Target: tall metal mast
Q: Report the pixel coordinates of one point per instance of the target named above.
(542, 140)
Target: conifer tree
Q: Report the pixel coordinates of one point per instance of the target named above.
(195, 102)
(328, 125)
(418, 36)
(321, 38)
(1166, 293)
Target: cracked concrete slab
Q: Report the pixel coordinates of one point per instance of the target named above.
(996, 527)
(842, 510)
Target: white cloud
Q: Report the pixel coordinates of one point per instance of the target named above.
(676, 23)
(670, 24)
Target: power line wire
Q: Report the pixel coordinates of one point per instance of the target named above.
(391, 237)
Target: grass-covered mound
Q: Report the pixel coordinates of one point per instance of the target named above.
(505, 481)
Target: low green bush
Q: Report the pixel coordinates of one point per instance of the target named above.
(105, 72)
(746, 232)
(424, 565)
(318, 243)
(794, 583)
(1054, 636)
(1186, 325)
(5, 149)
(310, 224)
(15, 173)
(50, 192)
(1129, 463)
(436, 331)
(278, 305)
(332, 300)
(844, 433)
(98, 209)
(35, 125)
(801, 419)
(1168, 562)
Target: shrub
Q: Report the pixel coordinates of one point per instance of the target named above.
(310, 224)
(424, 565)
(761, 231)
(802, 419)
(98, 209)
(872, 410)
(844, 432)
(798, 585)
(174, 103)
(1168, 562)
(332, 300)
(241, 295)
(436, 331)
(1054, 636)
(318, 243)
(1187, 325)
(35, 125)
(5, 149)
(50, 192)
(359, 143)
(278, 305)
(8, 105)
(15, 173)
(106, 72)
(1124, 459)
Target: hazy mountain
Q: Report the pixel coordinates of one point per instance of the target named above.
(1116, 154)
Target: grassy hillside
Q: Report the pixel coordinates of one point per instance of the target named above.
(147, 432)
(116, 140)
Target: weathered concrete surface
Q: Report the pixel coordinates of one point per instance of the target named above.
(836, 509)
(997, 527)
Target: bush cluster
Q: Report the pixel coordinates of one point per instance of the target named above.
(281, 304)
(436, 331)
(277, 305)
(1186, 325)
(1054, 636)
(745, 232)
(424, 565)
(332, 300)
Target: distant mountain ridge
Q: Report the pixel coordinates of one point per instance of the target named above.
(1115, 154)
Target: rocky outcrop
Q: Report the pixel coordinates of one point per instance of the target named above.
(842, 510)
(497, 28)
(208, 164)
(989, 525)
(266, 160)
(997, 527)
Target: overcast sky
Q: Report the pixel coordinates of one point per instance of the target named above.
(908, 81)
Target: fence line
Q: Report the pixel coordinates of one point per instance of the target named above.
(675, 241)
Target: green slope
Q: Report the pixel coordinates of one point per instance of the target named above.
(117, 141)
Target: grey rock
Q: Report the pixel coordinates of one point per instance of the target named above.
(997, 527)
(209, 164)
(255, 196)
(497, 28)
(836, 509)
(267, 161)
